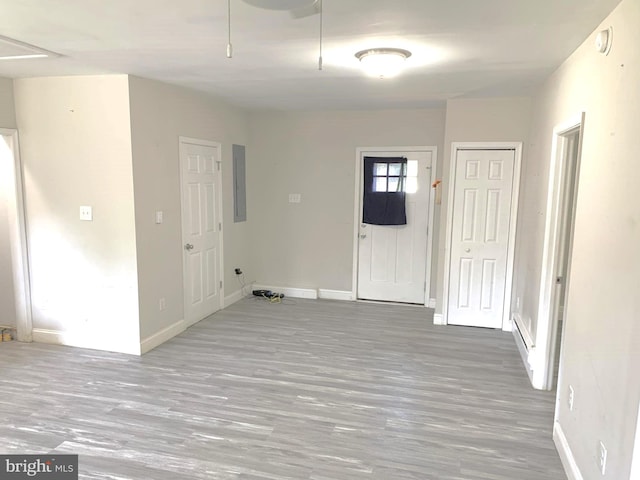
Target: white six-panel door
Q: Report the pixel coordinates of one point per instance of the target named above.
(392, 260)
(480, 237)
(201, 225)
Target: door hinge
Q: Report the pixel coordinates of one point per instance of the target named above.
(218, 162)
(220, 226)
(221, 284)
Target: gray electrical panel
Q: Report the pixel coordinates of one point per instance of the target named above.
(239, 184)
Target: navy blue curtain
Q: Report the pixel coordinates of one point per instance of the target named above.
(384, 192)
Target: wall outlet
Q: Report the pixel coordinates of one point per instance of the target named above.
(295, 198)
(602, 457)
(571, 397)
(162, 304)
(86, 213)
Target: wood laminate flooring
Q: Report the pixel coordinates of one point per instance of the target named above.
(301, 390)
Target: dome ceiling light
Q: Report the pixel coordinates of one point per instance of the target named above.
(383, 62)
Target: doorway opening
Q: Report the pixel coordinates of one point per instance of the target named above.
(15, 237)
(558, 244)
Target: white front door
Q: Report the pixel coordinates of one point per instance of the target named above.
(480, 237)
(201, 228)
(392, 260)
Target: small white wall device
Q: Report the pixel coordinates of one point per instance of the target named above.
(604, 38)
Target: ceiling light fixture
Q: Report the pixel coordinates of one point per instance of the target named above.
(383, 62)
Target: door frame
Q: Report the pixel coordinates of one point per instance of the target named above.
(547, 327)
(182, 141)
(513, 222)
(19, 245)
(635, 457)
(357, 210)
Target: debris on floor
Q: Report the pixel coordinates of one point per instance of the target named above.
(7, 334)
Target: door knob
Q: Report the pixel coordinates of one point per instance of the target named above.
(467, 250)
(188, 246)
(363, 236)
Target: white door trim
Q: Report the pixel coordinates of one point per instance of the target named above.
(19, 247)
(635, 458)
(357, 206)
(546, 331)
(207, 143)
(515, 192)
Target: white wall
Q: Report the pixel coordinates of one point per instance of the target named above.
(7, 109)
(76, 150)
(601, 353)
(477, 120)
(160, 113)
(310, 244)
(7, 302)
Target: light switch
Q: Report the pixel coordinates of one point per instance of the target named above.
(295, 198)
(86, 213)
(159, 216)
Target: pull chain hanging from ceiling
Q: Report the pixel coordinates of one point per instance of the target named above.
(229, 46)
(321, 19)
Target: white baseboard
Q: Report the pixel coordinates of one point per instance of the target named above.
(162, 336)
(432, 303)
(94, 342)
(233, 298)
(507, 326)
(310, 293)
(438, 319)
(335, 294)
(566, 455)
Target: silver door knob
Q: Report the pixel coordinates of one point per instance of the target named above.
(467, 250)
(188, 246)
(363, 236)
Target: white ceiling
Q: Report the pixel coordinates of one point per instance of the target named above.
(470, 48)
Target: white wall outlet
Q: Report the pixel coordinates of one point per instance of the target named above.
(571, 397)
(295, 198)
(602, 457)
(159, 216)
(86, 213)
(162, 304)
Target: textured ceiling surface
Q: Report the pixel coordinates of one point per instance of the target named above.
(467, 48)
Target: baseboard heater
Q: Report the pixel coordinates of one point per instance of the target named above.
(524, 333)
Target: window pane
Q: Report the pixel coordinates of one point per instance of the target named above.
(413, 168)
(395, 169)
(411, 185)
(394, 184)
(380, 169)
(380, 184)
